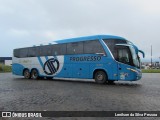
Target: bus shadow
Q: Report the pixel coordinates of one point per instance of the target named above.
(127, 84)
(116, 83)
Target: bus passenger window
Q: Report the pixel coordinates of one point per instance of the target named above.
(75, 48)
(16, 53)
(93, 47)
(23, 52)
(32, 52)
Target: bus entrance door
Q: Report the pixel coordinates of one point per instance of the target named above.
(123, 72)
(124, 60)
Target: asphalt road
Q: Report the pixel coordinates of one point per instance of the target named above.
(19, 94)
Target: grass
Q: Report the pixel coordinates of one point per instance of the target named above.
(5, 68)
(150, 70)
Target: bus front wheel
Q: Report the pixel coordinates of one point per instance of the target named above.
(27, 74)
(34, 74)
(100, 77)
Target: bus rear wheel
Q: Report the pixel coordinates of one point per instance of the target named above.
(27, 74)
(100, 77)
(34, 74)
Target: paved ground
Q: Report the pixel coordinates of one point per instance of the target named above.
(19, 94)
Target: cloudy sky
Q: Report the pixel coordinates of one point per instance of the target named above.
(30, 22)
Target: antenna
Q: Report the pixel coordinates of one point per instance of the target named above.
(151, 56)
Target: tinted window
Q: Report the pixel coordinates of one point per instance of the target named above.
(59, 49)
(93, 46)
(86, 47)
(44, 50)
(75, 48)
(47, 50)
(112, 45)
(32, 52)
(16, 52)
(23, 52)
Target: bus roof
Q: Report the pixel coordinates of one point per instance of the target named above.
(86, 38)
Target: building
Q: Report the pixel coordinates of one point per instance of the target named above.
(6, 60)
(147, 65)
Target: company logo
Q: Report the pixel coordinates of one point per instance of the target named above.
(6, 114)
(51, 66)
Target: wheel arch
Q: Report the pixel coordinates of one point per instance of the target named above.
(36, 70)
(35, 73)
(25, 69)
(96, 70)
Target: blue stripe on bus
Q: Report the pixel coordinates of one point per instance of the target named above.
(40, 61)
(46, 57)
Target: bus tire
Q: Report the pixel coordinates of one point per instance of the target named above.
(34, 74)
(26, 74)
(100, 77)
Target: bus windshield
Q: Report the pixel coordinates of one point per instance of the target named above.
(127, 55)
(135, 57)
(123, 52)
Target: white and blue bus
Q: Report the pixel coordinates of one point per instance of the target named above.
(104, 58)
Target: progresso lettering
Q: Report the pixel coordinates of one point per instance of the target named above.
(85, 58)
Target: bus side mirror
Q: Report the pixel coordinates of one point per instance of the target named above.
(142, 53)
